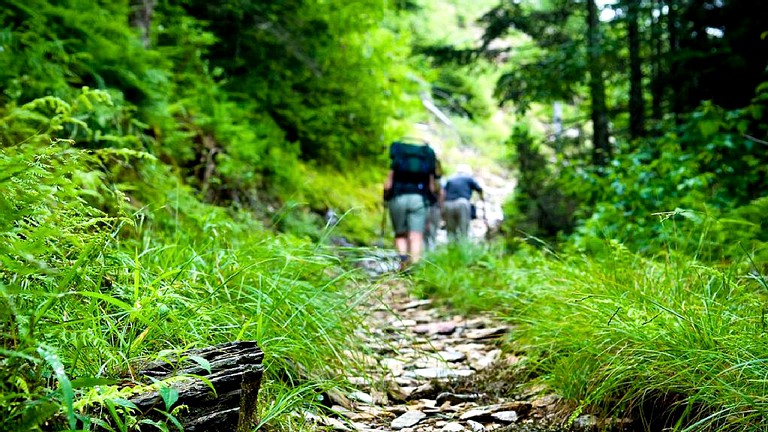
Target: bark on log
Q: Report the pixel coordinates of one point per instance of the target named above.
(235, 375)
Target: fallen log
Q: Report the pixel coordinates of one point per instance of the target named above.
(235, 375)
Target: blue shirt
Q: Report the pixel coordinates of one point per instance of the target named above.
(460, 186)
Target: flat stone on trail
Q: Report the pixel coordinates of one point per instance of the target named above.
(361, 397)
(396, 367)
(427, 403)
(442, 328)
(505, 416)
(401, 393)
(410, 418)
(470, 347)
(457, 398)
(452, 427)
(358, 381)
(479, 412)
(521, 407)
(403, 323)
(414, 304)
(545, 401)
(482, 361)
(422, 390)
(406, 382)
(485, 333)
(374, 411)
(362, 427)
(336, 424)
(475, 426)
(360, 417)
(452, 356)
(441, 373)
(431, 346)
(475, 323)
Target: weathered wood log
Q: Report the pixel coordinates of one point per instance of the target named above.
(235, 375)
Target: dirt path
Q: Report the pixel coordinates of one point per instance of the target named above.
(428, 371)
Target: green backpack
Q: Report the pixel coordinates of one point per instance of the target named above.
(412, 166)
(414, 161)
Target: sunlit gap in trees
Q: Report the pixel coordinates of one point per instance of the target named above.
(606, 13)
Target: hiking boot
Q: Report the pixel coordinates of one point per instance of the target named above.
(404, 262)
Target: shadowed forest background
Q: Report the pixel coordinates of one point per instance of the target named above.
(165, 169)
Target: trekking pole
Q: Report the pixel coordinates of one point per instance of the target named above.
(384, 207)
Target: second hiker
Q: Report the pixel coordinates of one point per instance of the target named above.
(457, 210)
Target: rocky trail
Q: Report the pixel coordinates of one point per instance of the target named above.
(429, 371)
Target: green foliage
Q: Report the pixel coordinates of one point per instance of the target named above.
(466, 276)
(107, 258)
(50, 233)
(707, 167)
(699, 177)
(103, 298)
(460, 94)
(231, 96)
(540, 207)
(353, 196)
(327, 74)
(552, 46)
(623, 333)
(56, 49)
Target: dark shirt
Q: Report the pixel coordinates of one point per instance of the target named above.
(460, 186)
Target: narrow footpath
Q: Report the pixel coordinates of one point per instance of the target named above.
(427, 371)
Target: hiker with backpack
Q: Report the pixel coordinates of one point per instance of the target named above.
(457, 209)
(409, 186)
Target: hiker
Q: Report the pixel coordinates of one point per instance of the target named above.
(409, 185)
(433, 211)
(457, 209)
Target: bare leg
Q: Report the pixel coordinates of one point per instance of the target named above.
(416, 245)
(401, 245)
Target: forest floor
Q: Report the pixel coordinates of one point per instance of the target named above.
(428, 369)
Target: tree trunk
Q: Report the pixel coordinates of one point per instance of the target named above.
(235, 375)
(142, 18)
(675, 74)
(557, 125)
(657, 77)
(601, 150)
(636, 102)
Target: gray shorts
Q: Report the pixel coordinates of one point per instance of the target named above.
(408, 213)
(457, 214)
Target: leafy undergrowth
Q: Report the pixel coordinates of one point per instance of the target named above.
(672, 342)
(95, 280)
(352, 198)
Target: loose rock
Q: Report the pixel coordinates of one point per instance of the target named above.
(410, 418)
